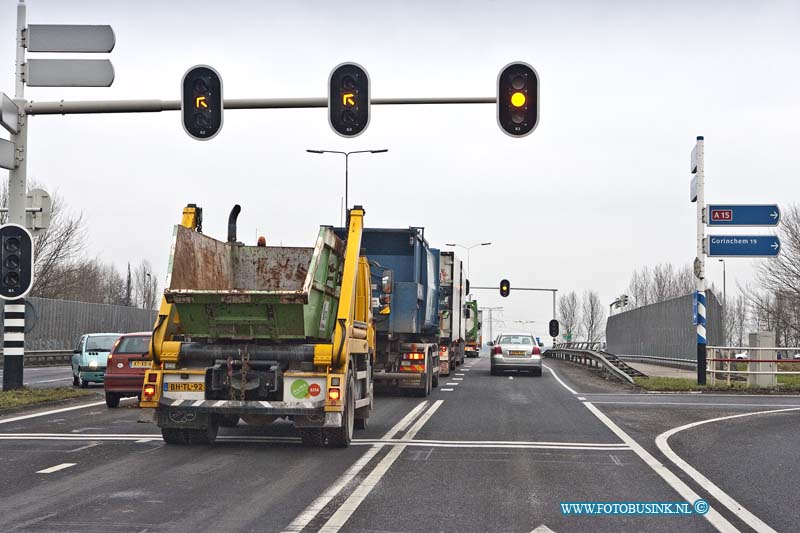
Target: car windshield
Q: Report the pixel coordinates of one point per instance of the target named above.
(101, 343)
(516, 339)
(139, 344)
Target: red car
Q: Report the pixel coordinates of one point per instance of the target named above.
(126, 365)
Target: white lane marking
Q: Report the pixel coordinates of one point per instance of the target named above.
(620, 445)
(452, 383)
(446, 390)
(616, 460)
(51, 412)
(787, 405)
(559, 379)
(314, 508)
(716, 519)
(343, 513)
(56, 468)
(542, 529)
(510, 377)
(583, 399)
(458, 379)
(735, 507)
(459, 374)
(46, 381)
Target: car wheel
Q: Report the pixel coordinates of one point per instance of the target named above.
(84, 384)
(492, 371)
(537, 372)
(112, 400)
(75, 381)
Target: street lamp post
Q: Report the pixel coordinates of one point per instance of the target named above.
(347, 164)
(468, 248)
(147, 280)
(724, 284)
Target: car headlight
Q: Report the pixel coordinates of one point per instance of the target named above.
(92, 364)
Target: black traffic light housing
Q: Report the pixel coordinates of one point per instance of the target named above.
(348, 99)
(518, 99)
(16, 262)
(505, 288)
(553, 326)
(201, 102)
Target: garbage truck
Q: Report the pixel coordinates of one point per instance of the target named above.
(258, 333)
(405, 297)
(452, 325)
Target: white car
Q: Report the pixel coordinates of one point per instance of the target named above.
(742, 355)
(516, 352)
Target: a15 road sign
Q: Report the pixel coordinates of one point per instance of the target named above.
(743, 215)
(743, 245)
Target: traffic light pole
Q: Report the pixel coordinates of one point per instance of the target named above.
(700, 277)
(14, 310)
(554, 291)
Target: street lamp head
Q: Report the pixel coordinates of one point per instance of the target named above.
(450, 244)
(485, 243)
(315, 151)
(382, 150)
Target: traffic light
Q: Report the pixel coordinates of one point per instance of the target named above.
(518, 99)
(553, 326)
(348, 99)
(505, 288)
(201, 102)
(16, 268)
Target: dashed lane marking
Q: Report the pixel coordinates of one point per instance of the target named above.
(51, 412)
(56, 468)
(452, 383)
(447, 390)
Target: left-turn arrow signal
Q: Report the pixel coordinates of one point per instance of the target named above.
(200, 101)
(347, 99)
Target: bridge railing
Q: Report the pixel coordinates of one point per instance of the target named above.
(725, 363)
(590, 354)
(46, 358)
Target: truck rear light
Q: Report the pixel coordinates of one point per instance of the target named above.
(536, 350)
(152, 378)
(148, 392)
(497, 350)
(443, 349)
(333, 394)
(415, 356)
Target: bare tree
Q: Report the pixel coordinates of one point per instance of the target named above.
(593, 314)
(639, 287)
(145, 285)
(128, 301)
(569, 315)
(738, 314)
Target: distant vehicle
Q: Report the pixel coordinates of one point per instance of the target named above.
(796, 356)
(89, 358)
(516, 352)
(742, 355)
(126, 366)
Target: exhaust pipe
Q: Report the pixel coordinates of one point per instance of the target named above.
(232, 222)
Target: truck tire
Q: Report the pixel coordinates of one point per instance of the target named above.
(312, 437)
(174, 436)
(206, 436)
(435, 380)
(112, 400)
(425, 391)
(342, 436)
(361, 423)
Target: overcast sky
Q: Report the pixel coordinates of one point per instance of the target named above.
(599, 189)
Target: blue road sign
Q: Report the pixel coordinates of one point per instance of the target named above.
(743, 245)
(743, 215)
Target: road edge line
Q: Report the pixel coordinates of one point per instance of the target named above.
(721, 496)
(559, 379)
(713, 516)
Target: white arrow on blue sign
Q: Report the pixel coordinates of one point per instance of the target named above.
(743, 215)
(743, 245)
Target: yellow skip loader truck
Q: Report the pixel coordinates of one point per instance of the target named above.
(258, 333)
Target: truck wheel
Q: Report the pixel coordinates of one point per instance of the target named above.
(112, 400)
(341, 437)
(435, 380)
(312, 437)
(207, 436)
(361, 423)
(174, 436)
(425, 391)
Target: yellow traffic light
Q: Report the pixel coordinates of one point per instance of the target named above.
(518, 99)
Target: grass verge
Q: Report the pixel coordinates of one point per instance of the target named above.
(21, 397)
(785, 384)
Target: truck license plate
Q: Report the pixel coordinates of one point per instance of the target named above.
(186, 387)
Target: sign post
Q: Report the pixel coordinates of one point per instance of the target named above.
(698, 192)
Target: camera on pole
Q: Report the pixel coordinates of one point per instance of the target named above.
(16, 262)
(348, 99)
(201, 102)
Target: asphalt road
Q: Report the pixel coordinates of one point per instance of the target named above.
(483, 453)
(48, 377)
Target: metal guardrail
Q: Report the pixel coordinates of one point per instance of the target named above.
(664, 361)
(589, 354)
(46, 358)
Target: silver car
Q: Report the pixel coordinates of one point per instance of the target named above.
(516, 352)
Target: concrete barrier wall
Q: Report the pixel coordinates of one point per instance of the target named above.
(664, 329)
(59, 323)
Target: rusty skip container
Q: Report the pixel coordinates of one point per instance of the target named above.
(268, 293)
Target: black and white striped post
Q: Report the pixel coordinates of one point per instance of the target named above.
(13, 343)
(697, 194)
